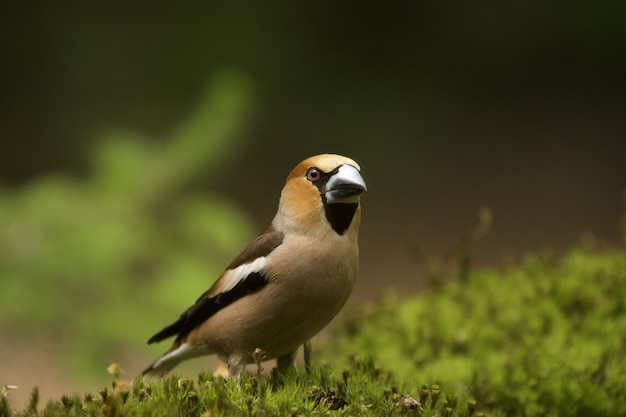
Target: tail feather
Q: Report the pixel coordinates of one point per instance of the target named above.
(178, 353)
(171, 330)
(158, 371)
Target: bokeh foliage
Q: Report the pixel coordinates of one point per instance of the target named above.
(547, 337)
(99, 263)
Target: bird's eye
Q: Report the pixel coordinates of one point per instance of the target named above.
(313, 174)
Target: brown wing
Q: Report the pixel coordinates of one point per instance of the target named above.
(237, 281)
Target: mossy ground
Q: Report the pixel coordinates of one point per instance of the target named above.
(546, 338)
(365, 390)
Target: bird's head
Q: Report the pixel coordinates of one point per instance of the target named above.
(323, 189)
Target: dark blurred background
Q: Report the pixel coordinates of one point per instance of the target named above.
(448, 106)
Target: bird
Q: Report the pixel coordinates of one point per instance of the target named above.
(286, 285)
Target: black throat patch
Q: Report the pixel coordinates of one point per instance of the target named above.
(340, 215)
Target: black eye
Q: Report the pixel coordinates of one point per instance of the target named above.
(313, 174)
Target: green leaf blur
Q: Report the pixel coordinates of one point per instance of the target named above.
(81, 259)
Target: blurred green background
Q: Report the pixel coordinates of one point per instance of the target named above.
(142, 145)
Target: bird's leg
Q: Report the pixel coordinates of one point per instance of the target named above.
(286, 361)
(307, 356)
(236, 365)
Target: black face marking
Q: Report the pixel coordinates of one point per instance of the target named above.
(338, 215)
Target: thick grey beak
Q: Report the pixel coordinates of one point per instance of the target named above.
(345, 186)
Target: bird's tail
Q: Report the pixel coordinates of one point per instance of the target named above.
(178, 353)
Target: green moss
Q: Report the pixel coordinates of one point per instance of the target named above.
(545, 338)
(363, 391)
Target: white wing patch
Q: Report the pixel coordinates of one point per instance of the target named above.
(235, 276)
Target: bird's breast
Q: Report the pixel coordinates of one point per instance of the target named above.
(305, 290)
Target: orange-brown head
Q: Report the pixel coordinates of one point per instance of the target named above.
(322, 191)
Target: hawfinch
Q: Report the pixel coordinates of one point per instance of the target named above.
(288, 283)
